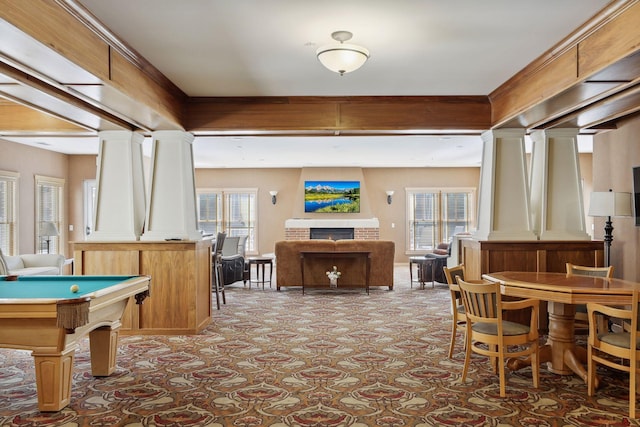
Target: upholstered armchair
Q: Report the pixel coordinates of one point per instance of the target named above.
(234, 266)
(441, 254)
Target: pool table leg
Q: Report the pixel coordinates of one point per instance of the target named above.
(53, 379)
(103, 343)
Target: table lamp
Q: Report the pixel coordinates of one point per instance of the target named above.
(48, 229)
(608, 204)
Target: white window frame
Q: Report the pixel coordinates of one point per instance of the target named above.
(10, 197)
(89, 190)
(57, 217)
(223, 208)
(439, 215)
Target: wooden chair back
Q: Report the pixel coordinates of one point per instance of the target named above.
(580, 270)
(490, 335)
(617, 350)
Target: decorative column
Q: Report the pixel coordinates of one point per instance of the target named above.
(557, 207)
(171, 211)
(120, 193)
(503, 206)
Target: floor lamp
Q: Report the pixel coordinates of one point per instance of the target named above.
(48, 229)
(609, 204)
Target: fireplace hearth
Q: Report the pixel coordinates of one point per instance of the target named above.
(335, 233)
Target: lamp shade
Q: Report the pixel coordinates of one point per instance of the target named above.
(609, 203)
(48, 229)
(342, 58)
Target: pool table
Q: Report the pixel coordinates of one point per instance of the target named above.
(42, 314)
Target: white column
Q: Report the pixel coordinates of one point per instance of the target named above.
(557, 205)
(120, 193)
(503, 205)
(171, 212)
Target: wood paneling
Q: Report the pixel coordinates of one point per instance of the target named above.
(481, 257)
(614, 41)
(534, 87)
(339, 113)
(16, 117)
(446, 112)
(135, 84)
(553, 84)
(48, 23)
(180, 297)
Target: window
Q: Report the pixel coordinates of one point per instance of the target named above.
(8, 217)
(229, 210)
(89, 190)
(436, 215)
(49, 213)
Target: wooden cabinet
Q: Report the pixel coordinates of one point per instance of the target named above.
(481, 257)
(180, 291)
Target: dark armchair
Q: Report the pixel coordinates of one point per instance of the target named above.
(234, 266)
(441, 254)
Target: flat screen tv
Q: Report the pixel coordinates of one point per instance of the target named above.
(332, 196)
(636, 194)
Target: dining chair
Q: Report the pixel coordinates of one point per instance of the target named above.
(218, 279)
(617, 350)
(581, 321)
(457, 307)
(490, 335)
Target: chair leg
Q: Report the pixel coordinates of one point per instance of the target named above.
(221, 283)
(503, 380)
(467, 356)
(535, 365)
(215, 286)
(632, 391)
(454, 327)
(591, 372)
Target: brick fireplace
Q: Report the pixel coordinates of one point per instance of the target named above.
(363, 229)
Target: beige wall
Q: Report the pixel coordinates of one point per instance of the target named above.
(374, 182)
(615, 153)
(29, 162)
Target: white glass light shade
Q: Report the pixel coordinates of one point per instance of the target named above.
(342, 58)
(608, 203)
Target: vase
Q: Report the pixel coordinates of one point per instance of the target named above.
(333, 283)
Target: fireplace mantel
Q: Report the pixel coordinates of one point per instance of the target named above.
(364, 228)
(332, 223)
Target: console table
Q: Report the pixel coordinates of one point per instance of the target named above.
(353, 265)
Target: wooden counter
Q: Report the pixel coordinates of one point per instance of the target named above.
(180, 300)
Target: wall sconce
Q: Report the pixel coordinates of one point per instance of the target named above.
(389, 194)
(273, 193)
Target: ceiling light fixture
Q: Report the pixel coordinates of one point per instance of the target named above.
(342, 57)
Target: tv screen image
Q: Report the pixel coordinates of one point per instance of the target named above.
(332, 196)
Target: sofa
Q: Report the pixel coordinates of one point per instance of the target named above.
(288, 269)
(31, 264)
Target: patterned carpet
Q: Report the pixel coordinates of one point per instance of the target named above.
(323, 359)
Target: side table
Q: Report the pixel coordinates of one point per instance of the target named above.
(260, 263)
(421, 262)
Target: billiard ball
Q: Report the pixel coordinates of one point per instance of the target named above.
(74, 288)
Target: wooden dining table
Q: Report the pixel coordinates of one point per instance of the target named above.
(562, 293)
